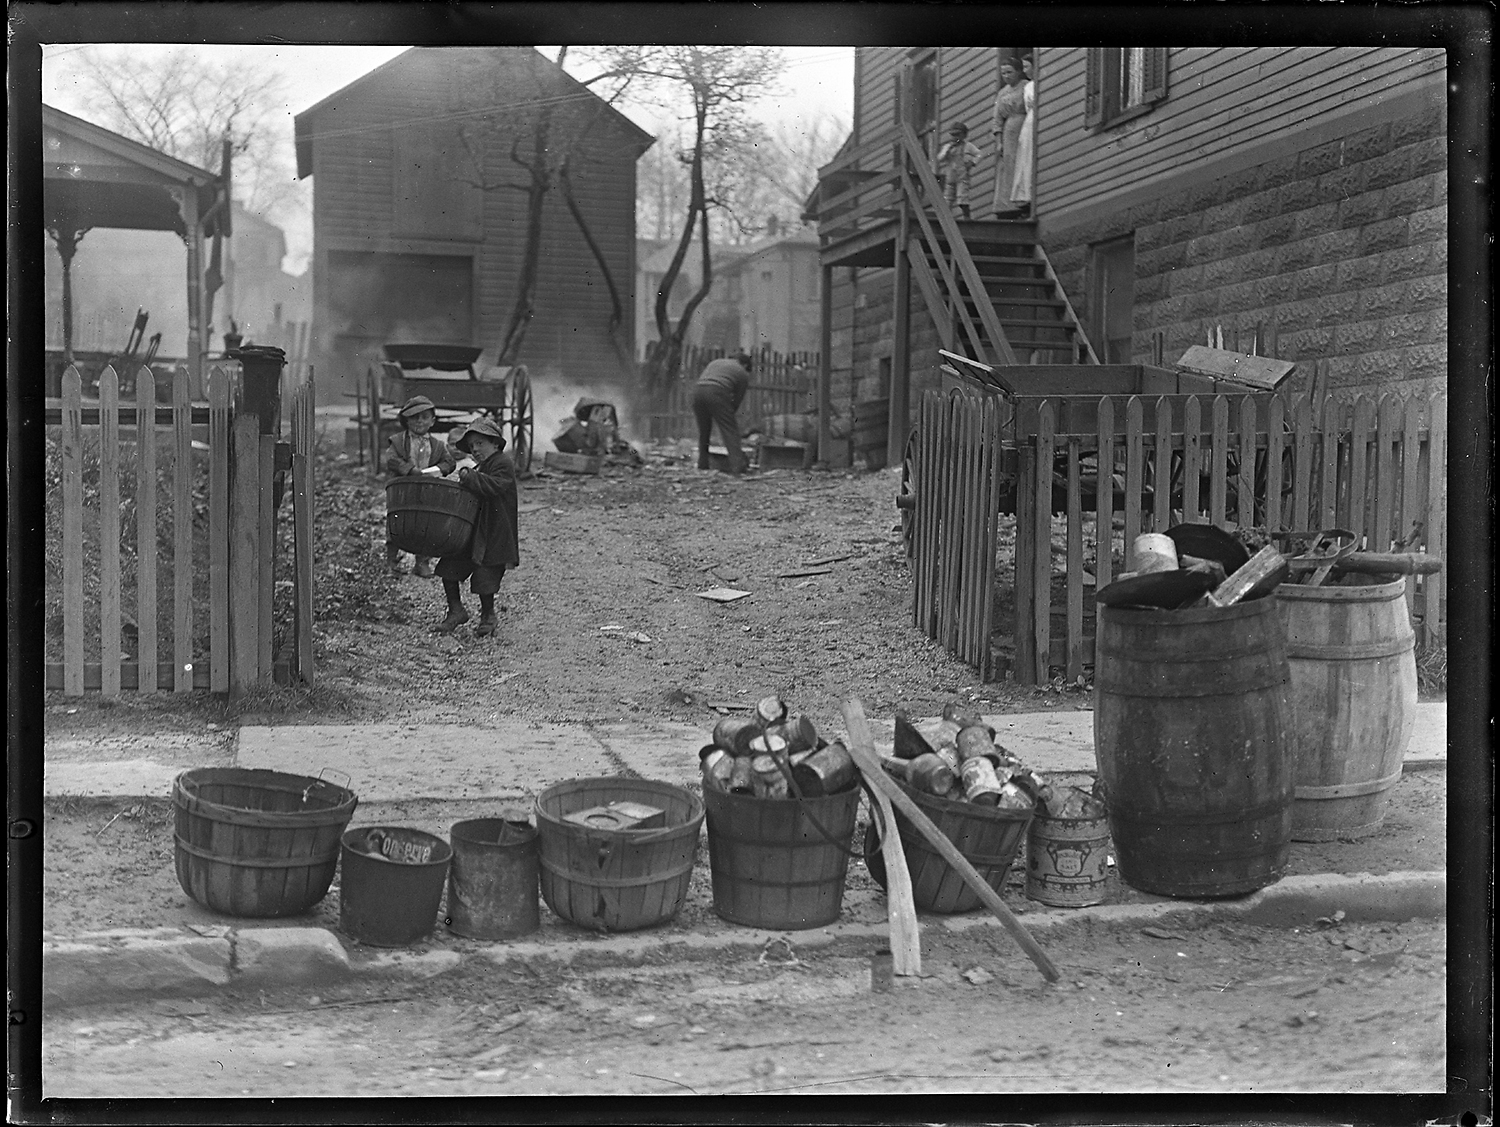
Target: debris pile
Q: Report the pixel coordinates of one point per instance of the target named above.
(593, 430)
(957, 757)
(1193, 566)
(773, 753)
(1071, 803)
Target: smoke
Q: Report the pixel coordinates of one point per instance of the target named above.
(554, 398)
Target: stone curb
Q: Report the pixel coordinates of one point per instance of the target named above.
(115, 966)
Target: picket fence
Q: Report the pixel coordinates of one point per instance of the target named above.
(238, 566)
(780, 384)
(1375, 467)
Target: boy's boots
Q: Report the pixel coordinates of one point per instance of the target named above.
(423, 570)
(488, 623)
(457, 613)
(393, 559)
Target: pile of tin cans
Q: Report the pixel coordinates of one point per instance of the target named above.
(957, 758)
(773, 753)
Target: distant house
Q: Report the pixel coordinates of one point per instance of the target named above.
(1290, 201)
(716, 321)
(416, 239)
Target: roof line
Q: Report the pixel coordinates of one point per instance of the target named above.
(123, 146)
(361, 80)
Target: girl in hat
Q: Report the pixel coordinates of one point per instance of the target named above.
(416, 451)
(955, 160)
(495, 546)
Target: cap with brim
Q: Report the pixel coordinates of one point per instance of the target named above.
(416, 405)
(487, 427)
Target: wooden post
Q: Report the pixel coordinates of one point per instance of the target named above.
(193, 236)
(1042, 560)
(1104, 496)
(1192, 464)
(182, 535)
(825, 367)
(218, 530)
(266, 551)
(244, 562)
(1161, 489)
(900, 389)
(145, 529)
(72, 529)
(1024, 637)
(109, 533)
(1074, 658)
(302, 510)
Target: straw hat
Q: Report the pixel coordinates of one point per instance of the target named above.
(485, 426)
(416, 405)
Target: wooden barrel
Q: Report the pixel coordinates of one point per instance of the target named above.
(989, 839)
(616, 880)
(772, 866)
(429, 516)
(257, 843)
(1352, 654)
(1192, 733)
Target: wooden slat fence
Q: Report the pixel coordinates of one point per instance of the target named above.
(181, 506)
(1269, 463)
(780, 384)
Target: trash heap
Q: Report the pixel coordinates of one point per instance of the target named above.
(957, 758)
(773, 753)
(1070, 803)
(1192, 566)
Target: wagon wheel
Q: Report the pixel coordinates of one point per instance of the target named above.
(522, 422)
(906, 499)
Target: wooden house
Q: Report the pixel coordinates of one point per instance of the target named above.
(419, 229)
(1286, 201)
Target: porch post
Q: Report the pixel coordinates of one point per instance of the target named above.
(825, 366)
(898, 418)
(193, 236)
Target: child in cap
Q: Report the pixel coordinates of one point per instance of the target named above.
(955, 160)
(495, 545)
(416, 451)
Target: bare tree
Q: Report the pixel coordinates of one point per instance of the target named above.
(186, 107)
(713, 84)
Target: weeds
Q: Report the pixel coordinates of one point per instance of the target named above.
(1432, 671)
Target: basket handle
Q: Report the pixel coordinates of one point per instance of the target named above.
(783, 761)
(322, 782)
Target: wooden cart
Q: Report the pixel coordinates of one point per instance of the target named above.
(445, 374)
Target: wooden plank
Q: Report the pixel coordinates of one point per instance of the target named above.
(1411, 522)
(1358, 520)
(1074, 666)
(1254, 371)
(1437, 519)
(918, 515)
(930, 508)
(970, 570)
(1387, 439)
(1024, 636)
(244, 564)
(950, 531)
(218, 528)
(1042, 598)
(302, 507)
(109, 531)
(1218, 472)
(266, 553)
(1327, 514)
(72, 531)
(1104, 495)
(1245, 510)
(131, 675)
(182, 535)
(1300, 518)
(1192, 458)
(1275, 447)
(145, 532)
(1135, 474)
(1161, 490)
(992, 484)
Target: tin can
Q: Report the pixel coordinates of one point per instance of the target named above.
(949, 755)
(798, 731)
(1013, 797)
(926, 773)
(980, 782)
(734, 733)
(973, 741)
(716, 764)
(771, 709)
(828, 770)
(961, 714)
(741, 775)
(945, 733)
(1153, 551)
(769, 781)
(768, 744)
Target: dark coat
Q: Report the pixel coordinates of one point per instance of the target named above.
(495, 540)
(726, 379)
(398, 456)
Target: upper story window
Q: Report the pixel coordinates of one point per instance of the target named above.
(1122, 83)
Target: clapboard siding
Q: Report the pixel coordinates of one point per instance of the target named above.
(1220, 101)
(350, 142)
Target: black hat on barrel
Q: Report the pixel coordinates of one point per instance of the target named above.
(416, 405)
(484, 426)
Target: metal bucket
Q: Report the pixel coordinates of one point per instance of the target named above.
(493, 881)
(392, 903)
(1066, 861)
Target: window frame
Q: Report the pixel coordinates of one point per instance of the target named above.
(1102, 75)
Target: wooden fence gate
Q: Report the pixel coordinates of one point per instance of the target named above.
(183, 503)
(1374, 467)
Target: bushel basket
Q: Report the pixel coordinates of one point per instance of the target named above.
(429, 516)
(257, 843)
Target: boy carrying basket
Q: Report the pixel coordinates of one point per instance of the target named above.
(495, 545)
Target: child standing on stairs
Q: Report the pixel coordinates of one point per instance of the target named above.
(955, 160)
(495, 546)
(416, 451)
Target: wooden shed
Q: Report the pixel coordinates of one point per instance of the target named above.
(419, 224)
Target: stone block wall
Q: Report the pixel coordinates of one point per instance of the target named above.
(1336, 254)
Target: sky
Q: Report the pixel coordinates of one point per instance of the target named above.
(817, 81)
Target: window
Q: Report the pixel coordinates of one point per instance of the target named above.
(1122, 83)
(919, 79)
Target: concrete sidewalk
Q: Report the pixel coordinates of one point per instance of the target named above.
(509, 758)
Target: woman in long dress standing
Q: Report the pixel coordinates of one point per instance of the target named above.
(1008, 117)
(1020, 193)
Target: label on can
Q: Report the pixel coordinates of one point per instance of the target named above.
(980, 782)
(949, 755)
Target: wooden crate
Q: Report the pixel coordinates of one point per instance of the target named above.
(573, 463)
